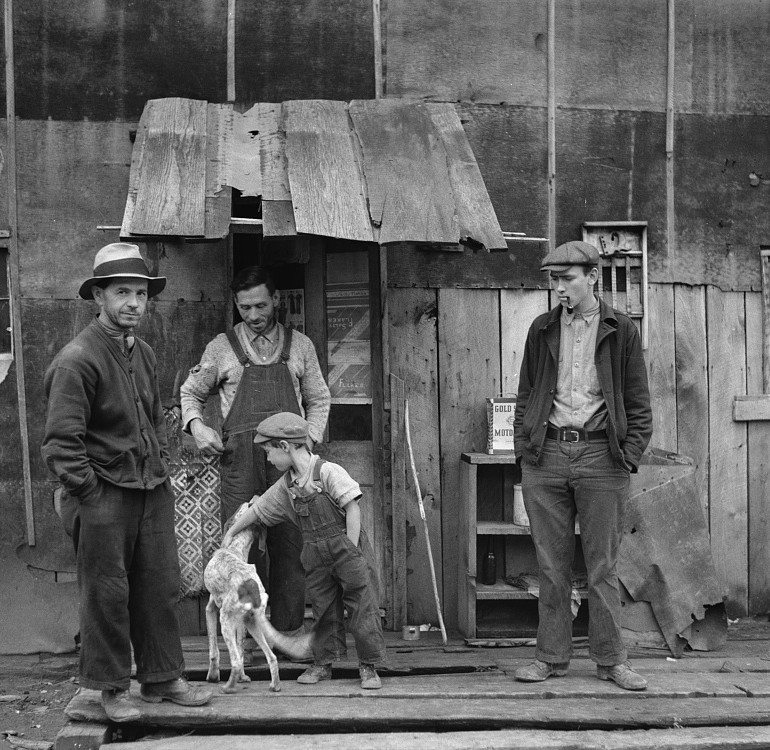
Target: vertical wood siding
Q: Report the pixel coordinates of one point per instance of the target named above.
(704, 350)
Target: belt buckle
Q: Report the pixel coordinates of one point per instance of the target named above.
(570, 436)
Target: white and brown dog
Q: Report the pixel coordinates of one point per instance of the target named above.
(239, 598)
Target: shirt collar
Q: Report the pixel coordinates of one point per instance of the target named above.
(271, 335)
(588, 316)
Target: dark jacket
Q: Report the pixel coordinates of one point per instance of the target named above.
(622, 376)
(105, 420)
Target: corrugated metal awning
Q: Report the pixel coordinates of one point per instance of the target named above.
(383, 171)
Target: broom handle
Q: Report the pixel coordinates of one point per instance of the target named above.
(424, 522)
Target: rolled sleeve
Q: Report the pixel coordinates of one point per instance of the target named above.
(274, 506)
(339, 484)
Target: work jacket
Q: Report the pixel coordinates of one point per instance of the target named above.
(622, 376)
(105, 420)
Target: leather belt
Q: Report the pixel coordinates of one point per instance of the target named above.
(574, 434)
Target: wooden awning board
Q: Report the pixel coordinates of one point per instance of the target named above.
(383, 171)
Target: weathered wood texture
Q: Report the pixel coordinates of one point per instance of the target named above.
(709, 738)
(294, 50)
(468, 372)
(728, 480)
(319, 145)
(692, 386)
(402, 174)
(322, 713)
(758, 464)
(103, 62)
(410, 266)
(601, 177)
(509, 143)
(694, 379)
(398, 468)
(715, 69)
(661, 363)
(179, 177)
(719, 233)
(413, 360)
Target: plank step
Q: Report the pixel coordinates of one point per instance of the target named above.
(711, 738)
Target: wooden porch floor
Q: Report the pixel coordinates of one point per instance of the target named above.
(464, 697)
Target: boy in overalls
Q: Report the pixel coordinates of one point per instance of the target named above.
(322, 499)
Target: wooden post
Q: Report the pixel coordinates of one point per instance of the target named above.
(230, 50)
(670, 68)
(764, 255)
(13, 267)
(379, 89)
(757, 408)
(551, 124)
(398, 499)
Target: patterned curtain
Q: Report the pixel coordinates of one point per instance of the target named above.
(196, 484)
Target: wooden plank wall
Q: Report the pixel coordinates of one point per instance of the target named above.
(703, 352)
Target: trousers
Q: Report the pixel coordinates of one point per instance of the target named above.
(128, 580)
(580, 479)
(246, 472)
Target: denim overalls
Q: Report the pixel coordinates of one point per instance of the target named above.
(264, 390)
(338, 577)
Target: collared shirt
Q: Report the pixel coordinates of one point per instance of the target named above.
(220, 371)
(264, 345)
(276, 504)
(578, 401)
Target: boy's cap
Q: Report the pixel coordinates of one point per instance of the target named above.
(282, 426)
(573, 253)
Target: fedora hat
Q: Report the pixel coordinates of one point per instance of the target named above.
(121, 260)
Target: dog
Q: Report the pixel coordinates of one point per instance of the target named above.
(238, 600)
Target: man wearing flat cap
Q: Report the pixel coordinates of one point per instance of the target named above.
(582, 422)
(105, 440)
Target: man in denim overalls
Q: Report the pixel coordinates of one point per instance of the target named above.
(259, 368)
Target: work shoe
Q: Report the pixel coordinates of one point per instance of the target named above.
(370, 680)
(118, 706)
(539, 671)
(315, 674)
(622, 675)
(177, 691)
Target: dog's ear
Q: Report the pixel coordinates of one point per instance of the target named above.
(248, 593)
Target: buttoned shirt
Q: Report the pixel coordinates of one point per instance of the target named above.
(578, 401)
(277, 505)
(219, 370)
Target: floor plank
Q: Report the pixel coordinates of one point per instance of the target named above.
(712, 738)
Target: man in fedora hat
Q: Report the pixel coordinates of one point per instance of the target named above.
(105, 440)
(581, 425)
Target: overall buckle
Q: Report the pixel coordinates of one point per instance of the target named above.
(570, 436)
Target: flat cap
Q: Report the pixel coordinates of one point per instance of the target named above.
(282, 426)
(573, 253)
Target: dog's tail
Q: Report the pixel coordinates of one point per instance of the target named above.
(296, 647)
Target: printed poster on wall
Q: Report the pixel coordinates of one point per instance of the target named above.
(291, 309)
(348, 342)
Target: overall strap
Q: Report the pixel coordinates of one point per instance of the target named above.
(286, 344)
(237, 348)
(316, 476)
(317, 470)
